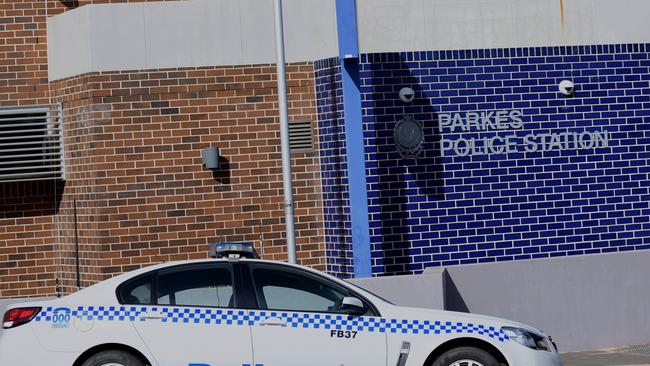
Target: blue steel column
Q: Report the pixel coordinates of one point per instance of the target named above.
(346, 15)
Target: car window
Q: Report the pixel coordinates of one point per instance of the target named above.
(136, 291)
(207, 286)
(279, 289)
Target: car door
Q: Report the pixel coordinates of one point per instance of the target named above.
(190, 316)
(300, 322)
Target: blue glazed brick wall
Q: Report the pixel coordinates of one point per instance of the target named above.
(451, 210)
(331, 130)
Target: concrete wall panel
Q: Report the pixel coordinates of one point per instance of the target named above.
(117, 37)
(625, 20)
(585, 302)
(194, 33)
(402, 290)
(392, 25)
(310, 29)
(68, 46)
(469, 24)
(207, 33)
(201, 32)
(527, 28)
(257, 27)
(414, 25)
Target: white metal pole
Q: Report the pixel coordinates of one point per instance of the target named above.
(284, 132)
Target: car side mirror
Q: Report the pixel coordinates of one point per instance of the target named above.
(352, 306)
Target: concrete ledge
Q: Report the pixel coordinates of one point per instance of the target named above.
(422, 291)
(584, 302)
(154, 35)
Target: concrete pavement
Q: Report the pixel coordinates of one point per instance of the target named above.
(628, 356)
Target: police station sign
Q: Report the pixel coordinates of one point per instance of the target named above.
(508, 123)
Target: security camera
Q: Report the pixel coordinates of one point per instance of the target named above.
(567, 88)
(406, 95)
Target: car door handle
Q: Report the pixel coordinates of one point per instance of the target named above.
(273, 321)
(152, 316)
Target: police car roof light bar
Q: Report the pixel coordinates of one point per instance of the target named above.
(233, 250)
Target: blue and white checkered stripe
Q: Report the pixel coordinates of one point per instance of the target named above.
(294, 320)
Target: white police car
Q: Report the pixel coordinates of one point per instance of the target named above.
(248, 312)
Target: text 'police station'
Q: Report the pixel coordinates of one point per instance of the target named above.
(504, 121)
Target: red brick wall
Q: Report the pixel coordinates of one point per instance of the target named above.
(27, 243)
(82, 122)
(133, 142)
(28, 259)
(23, 51)
(141, 150)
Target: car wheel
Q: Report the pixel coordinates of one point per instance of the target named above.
(113, 358)
(466, 356)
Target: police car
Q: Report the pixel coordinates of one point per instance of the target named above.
(242, 311)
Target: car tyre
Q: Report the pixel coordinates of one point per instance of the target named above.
(113, 358)
(466, 356)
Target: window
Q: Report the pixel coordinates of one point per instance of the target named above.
(210, 286)
(31, 144)
(290, 290)
(136, 291)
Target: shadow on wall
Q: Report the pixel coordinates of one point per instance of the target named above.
(222, 175)
(335, 185)
(401, 189)
(339, 191)
(452, 297)
(30, 198)
(70, 4)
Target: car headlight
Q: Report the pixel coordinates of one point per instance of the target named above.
(528, 339)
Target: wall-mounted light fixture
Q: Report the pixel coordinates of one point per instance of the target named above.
(567, 88)
(406, 95)
(210, 157)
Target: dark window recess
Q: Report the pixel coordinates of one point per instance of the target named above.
(300, 136)
(31, 144)
(136, 291)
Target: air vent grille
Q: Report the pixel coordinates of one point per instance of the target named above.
(300, 136)
(31, 144)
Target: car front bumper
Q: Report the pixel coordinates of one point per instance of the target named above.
(519, 355)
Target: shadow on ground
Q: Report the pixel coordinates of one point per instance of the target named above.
(632, 356)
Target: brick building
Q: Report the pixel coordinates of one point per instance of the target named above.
(507, 168)
(134, 191)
